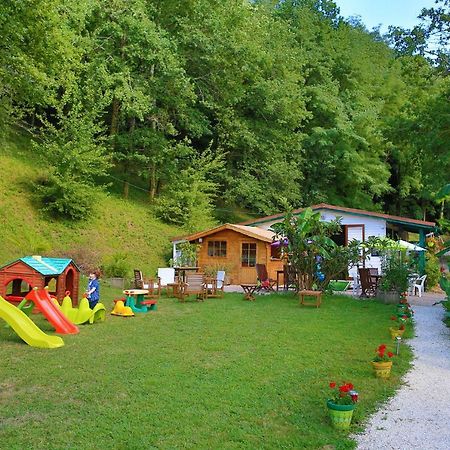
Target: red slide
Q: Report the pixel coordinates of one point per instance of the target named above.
(43, 302)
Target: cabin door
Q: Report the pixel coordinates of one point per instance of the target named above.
(247, 263)
(354, 232)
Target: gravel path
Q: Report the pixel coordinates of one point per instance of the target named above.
(418, 417)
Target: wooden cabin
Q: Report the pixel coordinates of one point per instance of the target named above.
(236, 249)
(19, 277)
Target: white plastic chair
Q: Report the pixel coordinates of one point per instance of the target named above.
(220, 279)
(419, 285)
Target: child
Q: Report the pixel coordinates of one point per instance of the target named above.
(93, 290)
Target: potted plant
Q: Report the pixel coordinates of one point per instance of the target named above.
(382, 362)
(394, 282)
(342, 404)
(399, 328)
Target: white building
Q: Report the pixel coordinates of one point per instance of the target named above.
(360, 225)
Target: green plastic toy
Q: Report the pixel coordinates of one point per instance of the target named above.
(82, 314)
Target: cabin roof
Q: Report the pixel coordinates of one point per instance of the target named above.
(254, 232)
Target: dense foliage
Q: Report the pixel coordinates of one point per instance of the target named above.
(257, 101)
(311, 251)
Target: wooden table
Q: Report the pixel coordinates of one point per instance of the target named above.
(317, 295)
(249, 290)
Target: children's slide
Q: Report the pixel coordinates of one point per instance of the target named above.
(26, 328)
(43, 302)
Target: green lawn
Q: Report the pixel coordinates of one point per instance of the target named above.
(216, 375)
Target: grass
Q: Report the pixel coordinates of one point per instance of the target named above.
(222, 374)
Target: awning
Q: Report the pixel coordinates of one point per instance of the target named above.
(410, 246)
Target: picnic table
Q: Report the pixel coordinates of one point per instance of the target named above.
(136, 299)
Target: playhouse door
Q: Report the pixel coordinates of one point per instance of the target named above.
(247, 263)
(69, 281)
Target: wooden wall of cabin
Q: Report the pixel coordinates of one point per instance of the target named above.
(232, 262)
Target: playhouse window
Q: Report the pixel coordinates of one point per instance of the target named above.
(217, 249)
(248, 255)
(17, 287)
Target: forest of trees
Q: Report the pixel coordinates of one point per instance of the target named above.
(224, 104)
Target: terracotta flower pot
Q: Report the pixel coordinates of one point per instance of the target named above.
(340, 415)
(382, 369)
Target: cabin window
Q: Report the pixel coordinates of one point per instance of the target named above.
(217, 249)
(248, 255)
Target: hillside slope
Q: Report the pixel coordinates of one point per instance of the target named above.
(119, 227)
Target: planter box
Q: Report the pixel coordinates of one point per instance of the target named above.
(116, 282)
(386, 297)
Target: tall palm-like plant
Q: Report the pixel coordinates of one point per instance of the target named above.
(310, 249)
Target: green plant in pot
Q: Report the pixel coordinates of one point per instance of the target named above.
(395, 273)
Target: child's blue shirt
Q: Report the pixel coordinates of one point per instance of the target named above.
(96, 294)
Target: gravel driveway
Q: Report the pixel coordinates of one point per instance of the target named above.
(418, 417)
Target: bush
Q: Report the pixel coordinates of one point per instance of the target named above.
(432, 270)
(64, 198)
(395, 272)
(116, 266)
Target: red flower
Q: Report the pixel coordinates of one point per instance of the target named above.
(382, 348)
(393, 318)
(390, 354)
(332, 385)
(345, 388)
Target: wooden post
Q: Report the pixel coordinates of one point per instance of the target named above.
(422, 244)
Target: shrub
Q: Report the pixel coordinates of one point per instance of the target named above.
(116, 266)
(62, 197)
(395, 272)
(432, 270)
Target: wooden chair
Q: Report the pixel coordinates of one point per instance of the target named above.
(265, 282)
(290, 277)
(194, 284)
(368, 286)
(152, 285)
(215, 286)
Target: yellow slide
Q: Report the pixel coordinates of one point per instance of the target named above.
(26, 328)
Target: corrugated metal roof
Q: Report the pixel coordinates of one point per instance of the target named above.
(46, 266)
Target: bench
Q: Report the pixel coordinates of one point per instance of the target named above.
(316, 295)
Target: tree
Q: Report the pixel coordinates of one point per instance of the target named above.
(430, 38)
